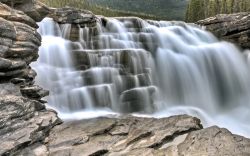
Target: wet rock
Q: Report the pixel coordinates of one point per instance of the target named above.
(231, 27)
(34, 92)
(73, 16)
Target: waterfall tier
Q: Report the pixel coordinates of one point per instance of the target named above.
(132, 65)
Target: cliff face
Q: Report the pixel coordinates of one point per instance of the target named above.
(201, 9)
(23, 118)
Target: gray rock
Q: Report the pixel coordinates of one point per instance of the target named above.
(132, 136)
(117, 135)
(73, 16)
(231, 27)
(33, 8)
(34, 92)
(19, 43)
(22, 123)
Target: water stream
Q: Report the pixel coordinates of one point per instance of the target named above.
(149, 68)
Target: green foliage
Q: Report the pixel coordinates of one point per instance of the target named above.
(96, 9)
(148, 9)
(201, 9)
(163, 9)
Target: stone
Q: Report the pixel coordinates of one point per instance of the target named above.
(132, 136)
(22, 122)
(231, 27)
(33, 8)
(34, 92)
(73, 16)
(19, 43)
(214, 141)
(9, 89)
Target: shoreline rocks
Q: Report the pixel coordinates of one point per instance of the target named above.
(132, 136)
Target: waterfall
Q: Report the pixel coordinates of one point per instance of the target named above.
(157, 68)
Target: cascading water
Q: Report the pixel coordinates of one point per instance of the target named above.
(148, 67)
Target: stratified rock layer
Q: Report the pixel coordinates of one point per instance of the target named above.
(231, 27)
(132, 136)
(33, 8)
(23, 118)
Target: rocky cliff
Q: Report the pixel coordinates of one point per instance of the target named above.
(201, 9)
(231, 27)
(23, 117)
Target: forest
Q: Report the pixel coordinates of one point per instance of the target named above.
(149, 9)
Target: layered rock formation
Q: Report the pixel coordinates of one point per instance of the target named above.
(23, 118)
(201, 9)
(132, 136)
(231, 27)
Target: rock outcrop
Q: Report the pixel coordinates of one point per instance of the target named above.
(201, 9)
(23, 117)
(33, 8)
(73, 16)
(231, 27)
(132, 136)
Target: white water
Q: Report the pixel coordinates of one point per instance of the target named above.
(127, 65)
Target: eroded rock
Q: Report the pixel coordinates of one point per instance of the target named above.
(231, 27)
(132, 136)
(73, 16)
(24, 121)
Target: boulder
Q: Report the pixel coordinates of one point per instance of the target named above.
(33, 8)
(73, 16)
(231, 27)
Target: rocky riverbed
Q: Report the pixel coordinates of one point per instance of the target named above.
(27, 128)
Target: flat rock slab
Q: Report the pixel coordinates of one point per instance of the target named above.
(132, 136)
